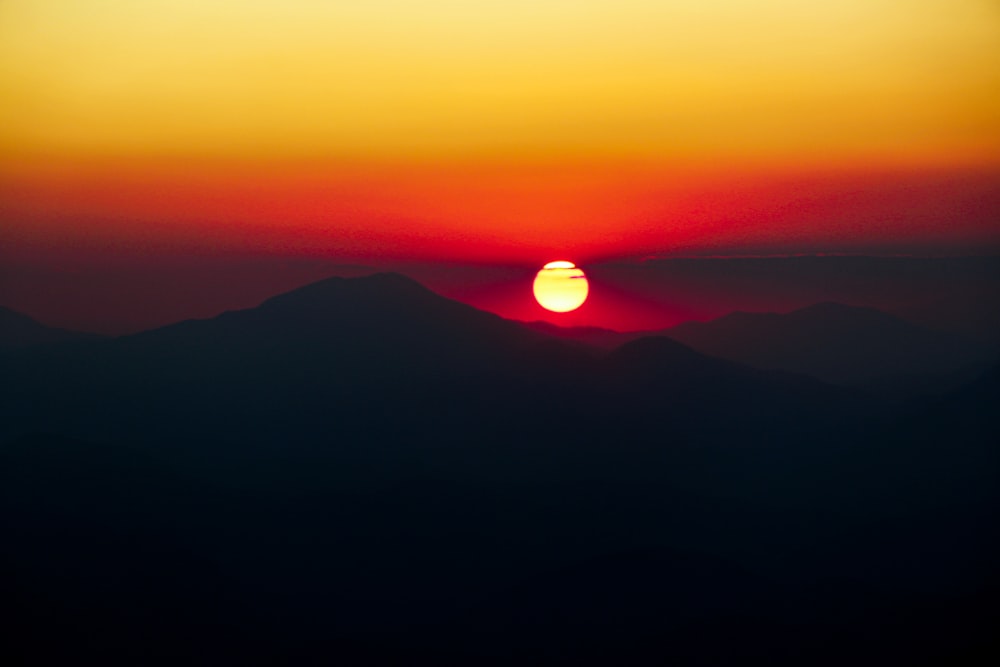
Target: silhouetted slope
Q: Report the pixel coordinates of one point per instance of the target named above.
(666, 359)
(836, 343)
(389, 307)
(358, 330)
(318, 350)
(371, 354)
(362, 472)
(593, 336)
(661, 377)
(17, 330)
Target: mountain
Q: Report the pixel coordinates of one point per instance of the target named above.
(380, 358)
(598, 337)
(361, 471)
(335, 311)
(18, 330)
(358, 357)
(836, 343)
(355, 330)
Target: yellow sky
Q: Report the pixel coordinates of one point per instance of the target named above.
(914, 80)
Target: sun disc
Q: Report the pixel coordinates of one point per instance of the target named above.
(560, 286)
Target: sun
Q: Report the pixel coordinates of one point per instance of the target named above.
(561, 287)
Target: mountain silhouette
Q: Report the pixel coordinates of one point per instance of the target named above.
(594, 336)
(836, 343)
(383, 344)
(18, 330)
(361, 471)
(359, 328)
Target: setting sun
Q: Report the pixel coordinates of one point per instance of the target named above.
(560, 287)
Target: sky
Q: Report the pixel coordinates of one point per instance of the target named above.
(493, 133)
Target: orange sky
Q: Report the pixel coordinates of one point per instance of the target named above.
(498, 131)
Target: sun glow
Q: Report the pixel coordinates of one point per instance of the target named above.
(560, 287)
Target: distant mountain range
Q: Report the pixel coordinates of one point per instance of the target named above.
(836, 343)
(341, 341)
(839, 344)
(361, 471)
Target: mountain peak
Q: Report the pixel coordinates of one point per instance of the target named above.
(19, 330)
(360, 328)
(376, 285)
(657, 354)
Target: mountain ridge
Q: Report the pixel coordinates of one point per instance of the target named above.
(365, 472)
(383, 338)
(18, 330)
(835, 342)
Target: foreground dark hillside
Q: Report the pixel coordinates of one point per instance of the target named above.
(362, 472)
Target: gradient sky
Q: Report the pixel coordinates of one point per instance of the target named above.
(510, 132)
